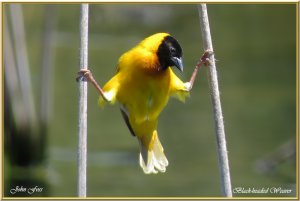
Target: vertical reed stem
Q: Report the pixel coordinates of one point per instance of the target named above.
(82, 120)
(216, 103)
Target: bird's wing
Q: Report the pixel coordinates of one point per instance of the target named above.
(110, 91)
(124, 113)
(179, 89)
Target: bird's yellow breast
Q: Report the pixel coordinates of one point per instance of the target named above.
(144, 94)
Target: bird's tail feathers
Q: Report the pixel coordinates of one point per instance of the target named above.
(153, 160)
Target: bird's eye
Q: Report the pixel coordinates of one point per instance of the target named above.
(173, 50)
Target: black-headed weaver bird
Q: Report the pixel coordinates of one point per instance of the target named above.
(142, 86)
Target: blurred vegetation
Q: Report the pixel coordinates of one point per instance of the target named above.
(255, 48)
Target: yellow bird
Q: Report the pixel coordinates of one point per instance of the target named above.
(142, 85)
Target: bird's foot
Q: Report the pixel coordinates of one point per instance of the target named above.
(84, 75)
(205, 58)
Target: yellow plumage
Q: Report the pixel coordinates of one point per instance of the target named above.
(143, 89)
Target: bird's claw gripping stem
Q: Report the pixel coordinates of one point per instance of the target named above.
(86, 75)
(203, 60)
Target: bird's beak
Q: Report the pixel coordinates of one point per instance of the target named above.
(178, 63)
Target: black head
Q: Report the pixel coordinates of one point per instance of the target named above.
(170, 53)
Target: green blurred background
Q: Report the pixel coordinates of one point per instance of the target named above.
(255, 48)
